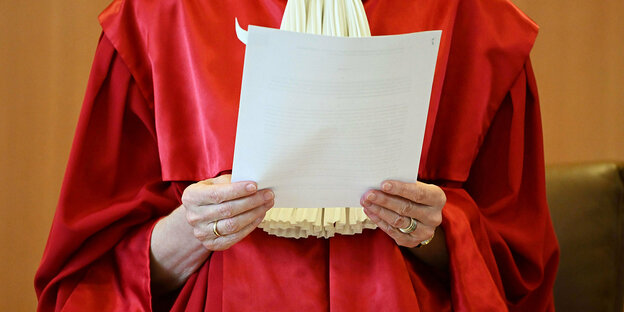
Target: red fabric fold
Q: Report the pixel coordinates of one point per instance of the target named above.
(98, 252)
(161, 109)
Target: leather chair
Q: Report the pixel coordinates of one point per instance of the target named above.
(587, 207)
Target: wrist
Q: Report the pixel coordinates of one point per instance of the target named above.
(175, 253)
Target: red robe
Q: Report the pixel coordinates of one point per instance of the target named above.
(160, 111)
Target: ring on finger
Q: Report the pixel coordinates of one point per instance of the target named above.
(425, 242)
(410, 228)
(214, 229)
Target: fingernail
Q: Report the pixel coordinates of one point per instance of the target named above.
(250, 187)
(371, 196)
(386, 186)
(268, 195)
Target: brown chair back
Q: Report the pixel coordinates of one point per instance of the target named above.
(587, 207)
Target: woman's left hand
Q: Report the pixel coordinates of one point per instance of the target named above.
(397, 203)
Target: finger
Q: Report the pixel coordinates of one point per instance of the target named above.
(404, 207)
(421, 193)
(204, 230)
(400, 238)
(237, 223)
(235, 207)
(205, 193)
(394, 219)
(422, 232)
(226, 241)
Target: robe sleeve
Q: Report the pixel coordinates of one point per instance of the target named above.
(503, 252)
(97, 255)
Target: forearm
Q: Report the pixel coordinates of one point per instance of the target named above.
(175, 253)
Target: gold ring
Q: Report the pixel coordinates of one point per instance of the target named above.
(410, 228)
(214, 229)
(425, 242)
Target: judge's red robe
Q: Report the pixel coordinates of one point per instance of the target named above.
(160, 112)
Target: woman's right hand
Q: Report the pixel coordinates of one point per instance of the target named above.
(182, 241)
(237, 208)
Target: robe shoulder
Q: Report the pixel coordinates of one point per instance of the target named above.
(489, 44)
(188, 62)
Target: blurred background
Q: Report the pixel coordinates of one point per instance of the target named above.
(46, 49)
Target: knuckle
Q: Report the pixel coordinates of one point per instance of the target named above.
(436, 219)
(374, 218)
(199, 234)
(381, 198)
(257, 213)
(397, 221)
(257, 199)
(388, 228)
(208, 245)
(230, 226)
(406, 209)
(213, 245)
(428, 233)
(399, 239)
(214, 196)
(188, 195)
(405, 240)
(219, 246)
(224, 210)
(185, 197)
(395, 233)
(192, 218)
(442, 198)
(225, 242)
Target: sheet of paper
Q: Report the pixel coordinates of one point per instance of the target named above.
(323, 119)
